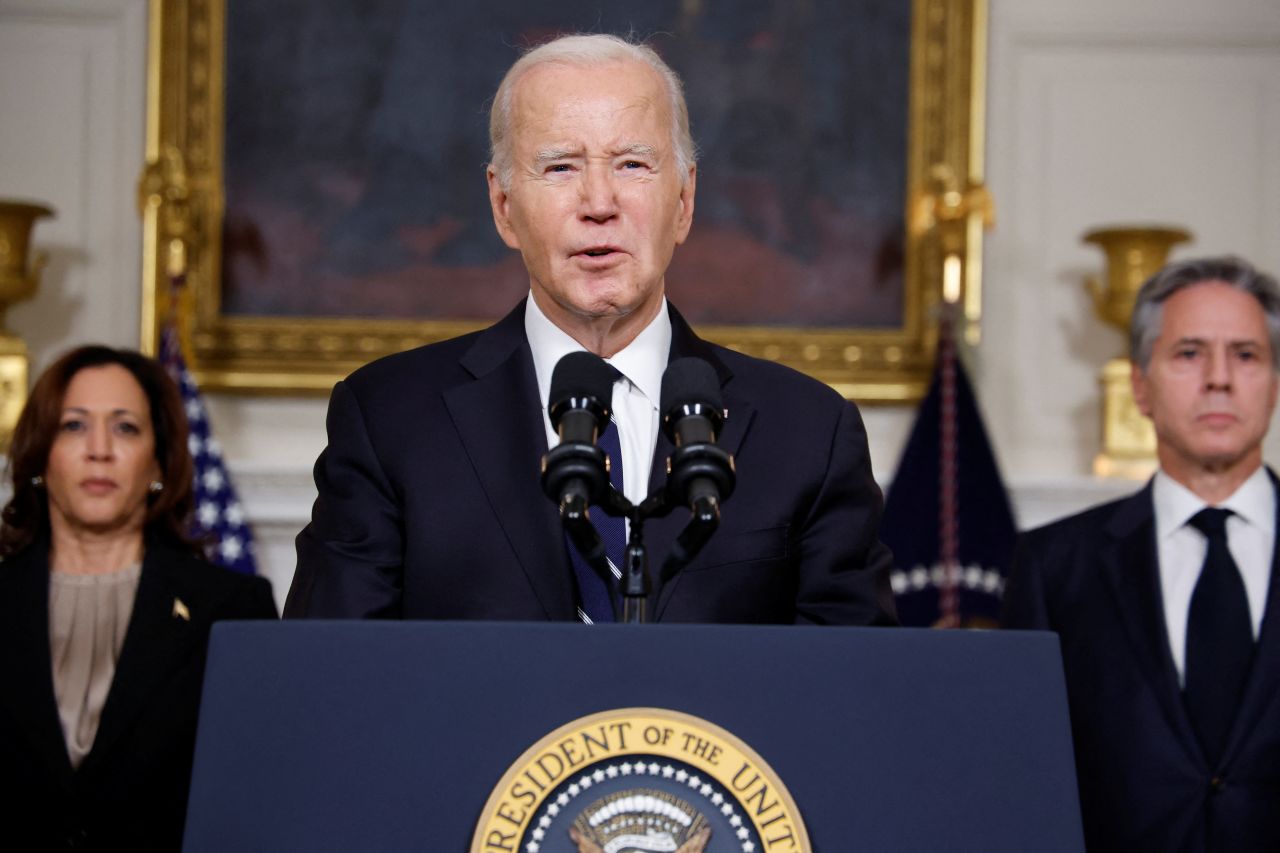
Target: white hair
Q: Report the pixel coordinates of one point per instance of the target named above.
(586, 50)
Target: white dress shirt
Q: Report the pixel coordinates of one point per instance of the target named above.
(1251, 537)
(636, 396)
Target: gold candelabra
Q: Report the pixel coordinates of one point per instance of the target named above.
(1133, 255)
(953, 214)
(20, 270)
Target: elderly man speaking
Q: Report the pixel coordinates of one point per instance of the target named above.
(430, 504)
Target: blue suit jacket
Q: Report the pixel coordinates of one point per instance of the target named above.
(430, 504)
(1145, 784)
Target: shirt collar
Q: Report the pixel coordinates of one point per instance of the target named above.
(1254, 501)
(642, 361)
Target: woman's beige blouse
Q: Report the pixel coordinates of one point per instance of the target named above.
(88, 617)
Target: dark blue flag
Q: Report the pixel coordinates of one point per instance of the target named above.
(219, 519)
(947, 516)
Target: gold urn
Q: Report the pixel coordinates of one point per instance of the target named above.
(1133, 254)
(19, 276)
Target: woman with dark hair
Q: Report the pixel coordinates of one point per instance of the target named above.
(105, 609)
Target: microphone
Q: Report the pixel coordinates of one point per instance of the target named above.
(700, 475)
(575, 472)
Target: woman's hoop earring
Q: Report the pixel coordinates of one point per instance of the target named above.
(156, 487)
(37, 481)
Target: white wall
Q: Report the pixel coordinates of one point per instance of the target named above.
(72, 117)
(1107, 113)
(1099, 113)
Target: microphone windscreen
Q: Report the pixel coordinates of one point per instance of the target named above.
(582, 374)
(690, 381)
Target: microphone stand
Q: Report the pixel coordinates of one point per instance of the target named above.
(587, 464)
(635, 575)
(637, 584)
(691, 468)
(575, 472)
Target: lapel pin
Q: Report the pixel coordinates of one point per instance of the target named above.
(180, 610)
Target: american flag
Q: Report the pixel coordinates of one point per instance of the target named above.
(219, 517)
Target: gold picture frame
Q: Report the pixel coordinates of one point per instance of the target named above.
(182, 203)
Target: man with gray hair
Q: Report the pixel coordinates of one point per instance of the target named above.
(430, 504)
(1164, 601)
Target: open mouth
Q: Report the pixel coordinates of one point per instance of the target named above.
(598, 251)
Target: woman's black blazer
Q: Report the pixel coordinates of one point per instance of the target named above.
(130, 791)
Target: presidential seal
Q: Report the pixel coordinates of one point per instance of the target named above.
(640, 780)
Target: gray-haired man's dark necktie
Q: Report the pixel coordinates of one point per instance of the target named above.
(1219, 638)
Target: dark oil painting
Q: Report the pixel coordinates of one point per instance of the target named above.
(357, 138)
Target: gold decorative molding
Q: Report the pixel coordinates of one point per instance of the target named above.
(183, 207)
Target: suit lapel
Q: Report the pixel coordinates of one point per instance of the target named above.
(1129, 562)
(156, 643)
(1264, 674)
(26, 667)
(499, 422)
(661, 533)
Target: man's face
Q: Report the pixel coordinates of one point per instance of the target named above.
(1210, 387)
(596, 204)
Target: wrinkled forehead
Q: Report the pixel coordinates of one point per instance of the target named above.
(557, 96)
(1214, 310)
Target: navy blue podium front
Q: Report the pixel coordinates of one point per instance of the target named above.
(400, 736)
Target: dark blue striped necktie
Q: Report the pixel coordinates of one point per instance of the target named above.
(595, 598)
(1219, 638)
